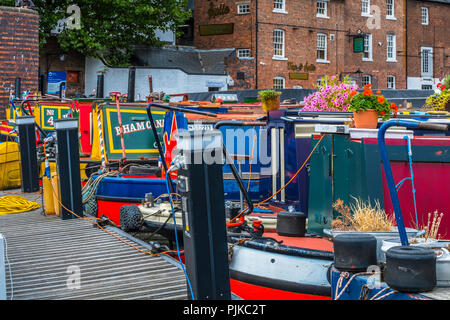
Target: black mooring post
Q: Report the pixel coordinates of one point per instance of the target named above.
(200, 184)
(68, 167)
(131, 84)
(100, 85)
(28, 155)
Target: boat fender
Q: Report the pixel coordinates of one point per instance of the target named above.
(291, 224)
(410, 269)
(131, 218)
(354, 252)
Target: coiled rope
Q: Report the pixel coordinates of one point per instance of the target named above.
(15, 204)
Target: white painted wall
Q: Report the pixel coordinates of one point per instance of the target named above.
(415, 83)
(170, 81)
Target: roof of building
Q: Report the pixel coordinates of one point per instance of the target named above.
(188, 59)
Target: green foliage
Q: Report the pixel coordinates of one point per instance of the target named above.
(367, 100)
(266, 95)
(7, 3)
(446, 81)
(110, 28)
(438, 101)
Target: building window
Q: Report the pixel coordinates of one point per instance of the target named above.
(426, 54)
(366, 79)
(279, 5)
(243, 8)
(391, 82)
(367, 54)
(278, 43)
(278, 83)
(365, 7)
(322, 10)
(321, 47)
(390, 45)
(243, 53)
(424, 16)
(390, 8)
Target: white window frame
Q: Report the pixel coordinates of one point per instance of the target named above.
(245, 5)
(428, 73)
(279, 6)
(366, 76)
(390, 80)
(325, 9)
(424, 17)
(321, 40)
(282, 80)
(391, 38)
(279, 34)
(242, 53)
(368, 39)
(365, 4)
(390, 15)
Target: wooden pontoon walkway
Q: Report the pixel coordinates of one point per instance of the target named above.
(45, 254)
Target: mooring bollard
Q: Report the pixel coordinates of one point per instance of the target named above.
(28, 154)
(68, 168)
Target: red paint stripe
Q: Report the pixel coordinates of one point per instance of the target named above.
(253, 292)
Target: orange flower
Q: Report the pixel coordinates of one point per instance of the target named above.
(367, 92)
(394, 107)
(378, 92)
(367, 86)
(381, 99)
(353, 93)
(382, 113)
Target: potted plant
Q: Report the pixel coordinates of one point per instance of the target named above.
(270, 100)
(367, 107)
(440, 100)
(331, 95)
(363, 217)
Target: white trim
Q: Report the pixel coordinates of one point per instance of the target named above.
(365, 13)
(422, 16)
(430, 73)
(370, 58)
(279, 58)
(280, 10)
(394, 48)
(325, 14)
(392, 15)
(324, 37)
(282, 35)
(238, 5)
(387, 81)
(279, 78)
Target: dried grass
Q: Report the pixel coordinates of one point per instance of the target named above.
(361, 216)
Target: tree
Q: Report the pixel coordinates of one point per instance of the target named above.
(107, 29)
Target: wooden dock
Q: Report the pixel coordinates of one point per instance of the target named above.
(73, 259)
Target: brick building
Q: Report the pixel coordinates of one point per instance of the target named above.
(294, 43)
(19, 52)
(428, 43)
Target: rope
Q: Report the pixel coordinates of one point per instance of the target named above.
(15, 204)
(100, 134)
(345, 275)
(292, 179)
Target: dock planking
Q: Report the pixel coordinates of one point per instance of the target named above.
(52, 259)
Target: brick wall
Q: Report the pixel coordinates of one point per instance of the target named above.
(301, 28)
(19, 52)
(434, 35)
